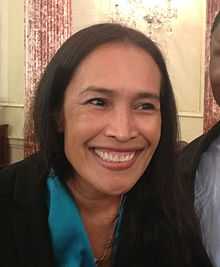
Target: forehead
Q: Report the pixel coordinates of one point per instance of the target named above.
(118, 49)
(117, 59)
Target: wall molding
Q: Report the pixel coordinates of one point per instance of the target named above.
(186, 114)
(11, 105)
(16, 148)
(16, 139)
(16, 142)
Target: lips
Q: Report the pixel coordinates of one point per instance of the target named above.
(113, 156)
(116, 160)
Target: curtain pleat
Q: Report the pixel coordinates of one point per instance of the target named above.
(211, 109)
(48, 23)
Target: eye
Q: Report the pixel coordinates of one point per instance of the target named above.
(146, 106)
(97, 102)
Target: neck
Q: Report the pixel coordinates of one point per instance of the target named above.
(99, 213)
(92, 203)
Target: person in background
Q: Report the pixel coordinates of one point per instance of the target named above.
(102, 190)
(199, 163)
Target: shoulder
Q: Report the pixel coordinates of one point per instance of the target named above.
(191, 154)
(20, 171)
(191, 150)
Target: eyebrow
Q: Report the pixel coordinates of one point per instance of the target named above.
(110, 92)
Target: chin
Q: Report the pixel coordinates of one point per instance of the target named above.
(120, 190)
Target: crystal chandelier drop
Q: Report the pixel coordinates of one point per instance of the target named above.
(152, 15)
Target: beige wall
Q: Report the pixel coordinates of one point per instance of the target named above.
(184, 52)
(12, 72)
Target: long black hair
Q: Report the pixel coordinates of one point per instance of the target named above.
(157, 227)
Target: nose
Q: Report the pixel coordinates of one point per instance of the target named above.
(121, 125)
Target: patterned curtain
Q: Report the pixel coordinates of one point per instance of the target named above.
(47, 25)
(211, 109)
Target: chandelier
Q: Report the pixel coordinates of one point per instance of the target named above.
(153, 15)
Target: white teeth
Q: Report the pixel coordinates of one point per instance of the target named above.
(115, 156)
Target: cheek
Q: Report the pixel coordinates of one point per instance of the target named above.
(80, 127)
(73, 133)
(151, 130)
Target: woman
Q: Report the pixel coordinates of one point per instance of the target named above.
(102, 190)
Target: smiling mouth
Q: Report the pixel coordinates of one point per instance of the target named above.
(115, 157)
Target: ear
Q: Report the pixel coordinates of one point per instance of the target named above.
(60, 122)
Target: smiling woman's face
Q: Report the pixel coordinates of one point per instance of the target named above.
(111, 118)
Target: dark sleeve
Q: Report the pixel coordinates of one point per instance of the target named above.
(17, 181)
(7, 245)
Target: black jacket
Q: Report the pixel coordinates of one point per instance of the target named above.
(24, 234)
(190, 157)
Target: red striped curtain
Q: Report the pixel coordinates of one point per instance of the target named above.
(211, 109)
(47, 26)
